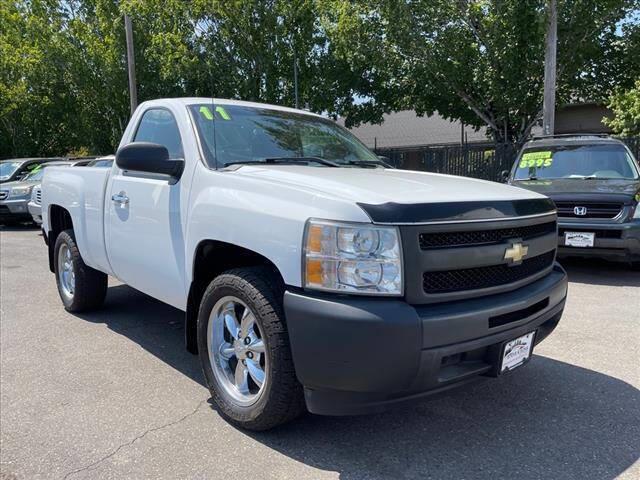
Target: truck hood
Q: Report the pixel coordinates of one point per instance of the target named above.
(378, 186)
(576, 188)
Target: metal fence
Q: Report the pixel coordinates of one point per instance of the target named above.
(476, 160)
(634, 145)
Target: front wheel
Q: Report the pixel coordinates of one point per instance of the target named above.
(80, 287)
(244, 350)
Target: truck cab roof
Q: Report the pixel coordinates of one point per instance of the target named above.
(186, 101)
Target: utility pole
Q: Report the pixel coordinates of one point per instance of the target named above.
(549, 102)
(131, 63)
(295, 76)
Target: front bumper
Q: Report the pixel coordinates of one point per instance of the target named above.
(361, 355)
(35, 209)
(14, 209)
(614, 241)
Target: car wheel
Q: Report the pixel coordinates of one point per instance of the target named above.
(244, 349)
(80, 287)
(635, 266)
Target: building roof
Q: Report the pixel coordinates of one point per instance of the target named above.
(406, 129)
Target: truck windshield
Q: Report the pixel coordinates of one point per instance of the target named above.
(7, 169)
(232, 134)
(576, 161)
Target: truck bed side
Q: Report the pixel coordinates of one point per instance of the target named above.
(80, 191)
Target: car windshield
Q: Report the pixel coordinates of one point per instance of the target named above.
(34, 176)
(100, 163)
(608, 161)
(238, 134)
(7, 169)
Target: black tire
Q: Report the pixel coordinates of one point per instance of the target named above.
(635, 266)
(282, 400)
(90, 284)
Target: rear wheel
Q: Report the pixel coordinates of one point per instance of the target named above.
(80, 287)
(244, 350)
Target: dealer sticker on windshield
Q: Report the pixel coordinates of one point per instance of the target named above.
(517, 352)
(536, 159)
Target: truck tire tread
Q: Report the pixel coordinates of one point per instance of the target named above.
(284, 396)
(90, 284)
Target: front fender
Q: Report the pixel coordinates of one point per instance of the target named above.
(259, 216)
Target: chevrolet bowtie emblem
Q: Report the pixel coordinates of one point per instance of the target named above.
(516, 252)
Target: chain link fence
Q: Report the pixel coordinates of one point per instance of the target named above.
(477, 160)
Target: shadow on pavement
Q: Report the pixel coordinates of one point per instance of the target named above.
(600, 272)
(20, 227)
(549, 420)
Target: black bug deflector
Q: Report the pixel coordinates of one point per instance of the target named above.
(398, 214)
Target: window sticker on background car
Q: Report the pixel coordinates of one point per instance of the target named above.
(206, 113)
(537, 182)
(536, 159)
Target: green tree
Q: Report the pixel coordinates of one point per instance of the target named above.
(626, 110)
(63, 78)
(478, 61)
(63, 83)
(33, 97)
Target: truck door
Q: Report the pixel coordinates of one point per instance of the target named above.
(144, 219)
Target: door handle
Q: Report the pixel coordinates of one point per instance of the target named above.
(120, 198)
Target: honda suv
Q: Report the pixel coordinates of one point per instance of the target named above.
(595, 184)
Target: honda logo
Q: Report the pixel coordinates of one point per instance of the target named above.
(580, 211)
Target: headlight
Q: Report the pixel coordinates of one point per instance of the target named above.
(352, 258)
(20, 191)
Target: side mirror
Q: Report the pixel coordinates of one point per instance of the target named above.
(149, 158)
(504, 175)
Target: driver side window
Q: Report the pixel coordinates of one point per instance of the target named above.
(159, 126)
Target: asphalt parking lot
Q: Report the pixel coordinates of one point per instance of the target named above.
(114, 394)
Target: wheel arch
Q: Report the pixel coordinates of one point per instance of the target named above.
(59, 221)
(211, 258)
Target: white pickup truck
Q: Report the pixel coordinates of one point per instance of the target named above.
(312, 275)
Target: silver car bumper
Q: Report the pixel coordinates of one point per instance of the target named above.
(35, 209)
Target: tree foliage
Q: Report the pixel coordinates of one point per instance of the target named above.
(63, 83)
(63, 78)
(478, 61)
(626, 110)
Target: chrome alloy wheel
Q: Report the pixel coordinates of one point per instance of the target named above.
(66, 275)
(237, 350)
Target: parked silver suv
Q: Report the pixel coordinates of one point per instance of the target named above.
(15, 196)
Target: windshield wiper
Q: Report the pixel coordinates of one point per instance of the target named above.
(368, 163)
(530, 177)
(284, 160)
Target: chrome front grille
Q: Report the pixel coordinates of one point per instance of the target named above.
(577, 209)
